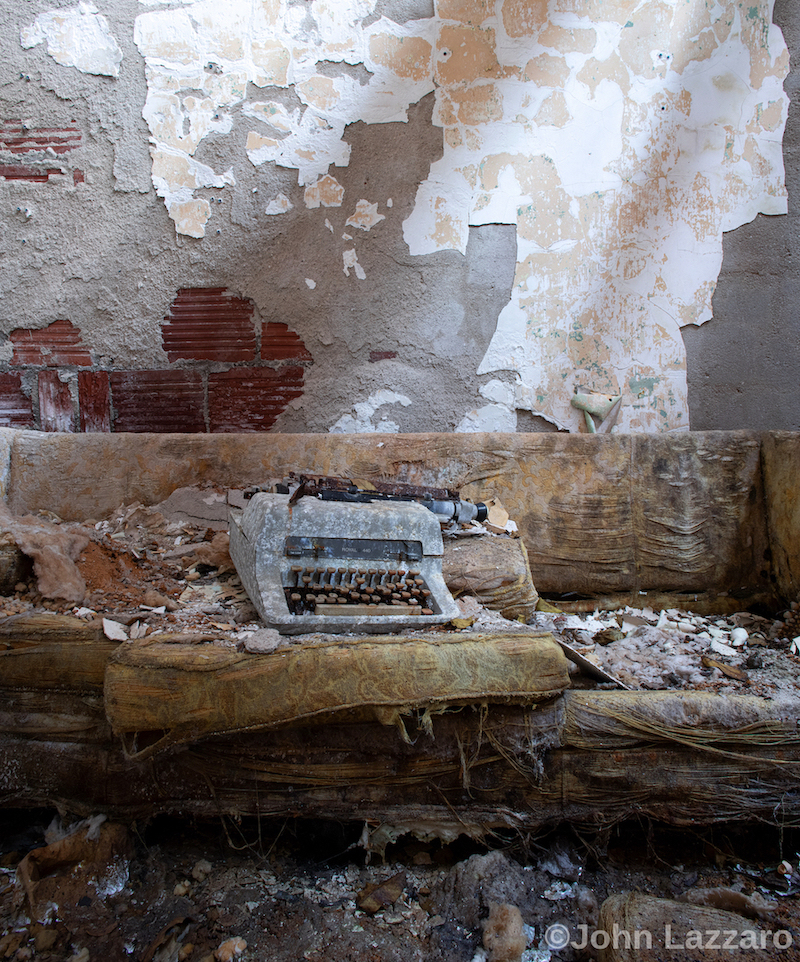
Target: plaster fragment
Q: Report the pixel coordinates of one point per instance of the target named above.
(175, 177)
(311, 284)
(77, 37)
(479, 104)
(320, 92)
(366, 216)
(465, 55)
(408, 57)
(280, 204)
(190, 216)
(327, 191)
(360, 421)
(272, 113)
(271, 60)
(350, 262)
(173, 170)
(490, 417)
(554, 111)
(257, 142)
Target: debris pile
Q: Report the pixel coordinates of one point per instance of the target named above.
(675, 649)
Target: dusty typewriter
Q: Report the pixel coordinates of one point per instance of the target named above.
(330, 556)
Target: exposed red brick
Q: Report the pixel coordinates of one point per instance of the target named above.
(56, 410)
(250, 399)
(159, 402)
(94, 401)
(58, 343)
(36, 175)
(16, 409)
(209, 324)
(382, 355)
(17, 138)
(278, 343)
(78, 177)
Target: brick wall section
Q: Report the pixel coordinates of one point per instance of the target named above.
(39, 145)
(94, 404)
(209, 324)
(56, 408)
(221, 382)
(158, 402)
(16, 409)
(35, 175)
(250, 399)
(18, 138)
(55, 345)
(278, 343)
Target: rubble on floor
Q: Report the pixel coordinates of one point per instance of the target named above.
(674, 649)
(207, 892)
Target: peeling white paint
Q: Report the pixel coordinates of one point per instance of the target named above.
(221, 48)
(327, 192)
(361, 421)
(350, 262)
(620, 140)
(77, 37)
(175, 177)
(499, 392)
(280, 204)
(490, 417)
(365, 216)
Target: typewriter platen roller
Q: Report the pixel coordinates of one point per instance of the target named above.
(339, 567)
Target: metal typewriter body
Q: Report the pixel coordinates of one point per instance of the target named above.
(338, 567)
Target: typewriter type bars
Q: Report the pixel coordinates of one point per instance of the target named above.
(334, 566)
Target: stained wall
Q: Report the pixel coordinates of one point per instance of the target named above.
(395, 215)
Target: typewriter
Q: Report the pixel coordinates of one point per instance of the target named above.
(332, 557)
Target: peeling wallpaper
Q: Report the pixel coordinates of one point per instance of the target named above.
(620, 138)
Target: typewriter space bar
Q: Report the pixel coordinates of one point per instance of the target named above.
(356, 611)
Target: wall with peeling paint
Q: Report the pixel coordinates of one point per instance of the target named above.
(395, 215)
(744, 364)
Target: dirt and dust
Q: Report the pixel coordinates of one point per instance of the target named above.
(175, 891)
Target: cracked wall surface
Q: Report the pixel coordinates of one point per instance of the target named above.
(463, 211)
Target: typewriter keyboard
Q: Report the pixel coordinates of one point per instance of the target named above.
(354, 591)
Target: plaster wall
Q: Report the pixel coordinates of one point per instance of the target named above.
(393, 215)
(744, 364)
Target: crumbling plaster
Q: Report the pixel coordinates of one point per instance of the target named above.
(421, 270)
